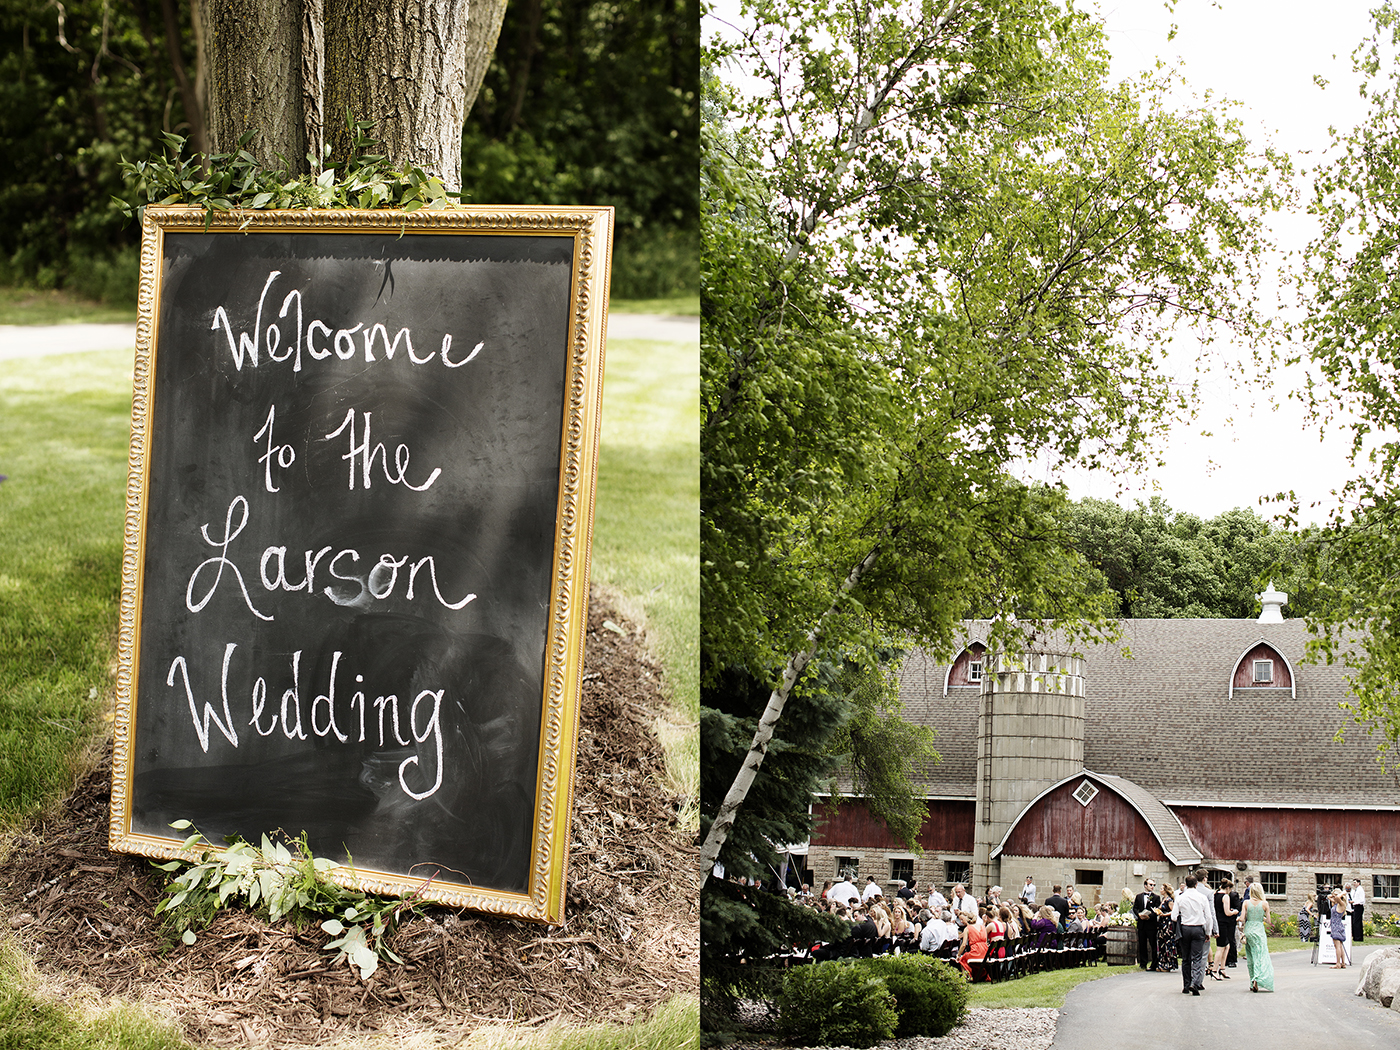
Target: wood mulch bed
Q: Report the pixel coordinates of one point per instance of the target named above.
(629, 941)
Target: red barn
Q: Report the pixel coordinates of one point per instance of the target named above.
(1186, 743)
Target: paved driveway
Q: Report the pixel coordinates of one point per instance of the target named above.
(1313, 1008)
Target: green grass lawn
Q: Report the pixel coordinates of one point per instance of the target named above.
(676, 306)
(1040, 989)
(29, 306)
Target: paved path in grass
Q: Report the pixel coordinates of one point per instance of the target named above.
(1313, 1008)
(41, 340)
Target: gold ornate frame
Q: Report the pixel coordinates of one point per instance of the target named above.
(591, 230)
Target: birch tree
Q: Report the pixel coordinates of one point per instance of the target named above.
(939, 244)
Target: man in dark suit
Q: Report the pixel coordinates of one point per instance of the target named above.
(1144, 908)
(1061, 906)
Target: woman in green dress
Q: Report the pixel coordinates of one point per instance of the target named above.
(1256, 941)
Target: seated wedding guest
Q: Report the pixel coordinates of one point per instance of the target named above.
(973, 945)
(881, 917)
(1043, 926)
(937, 932)
(901, 928)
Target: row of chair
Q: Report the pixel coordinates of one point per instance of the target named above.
(1034, 953)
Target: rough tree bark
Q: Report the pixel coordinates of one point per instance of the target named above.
(288, 70)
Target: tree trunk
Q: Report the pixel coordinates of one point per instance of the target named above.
(189, 95)
(255, 80)
(291, 70)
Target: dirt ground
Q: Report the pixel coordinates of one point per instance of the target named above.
(629, 942)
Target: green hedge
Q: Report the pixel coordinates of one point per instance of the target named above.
(836, 1004)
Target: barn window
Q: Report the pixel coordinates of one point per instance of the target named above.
(901, 869)
(974, 670)
(1088, 876)
(1274, 883)
(1263, 670)
(1328, 880)
(848, 866)
(955, 871)
(1085, 793)
(1385, 887)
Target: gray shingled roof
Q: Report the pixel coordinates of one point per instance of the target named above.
(1164, 720)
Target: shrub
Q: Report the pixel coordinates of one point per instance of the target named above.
(836, 1004)
(1282, 925)
(930, 994)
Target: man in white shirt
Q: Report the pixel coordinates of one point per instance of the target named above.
(1196, 912)
(844, 892)
(1358, 905)
(872, 889)
(1028, 893)
(964, 907)
(936, 901)
(936, 933)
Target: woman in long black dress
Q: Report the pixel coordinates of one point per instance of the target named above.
(1166, 932)
(1225, 917)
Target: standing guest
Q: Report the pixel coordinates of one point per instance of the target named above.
(1232, 957)
(1166, 931)
(1256, 941)
(1306, 915)
(1058, 902)
(906, 892)
(1357, 897)
(1027, 894)
(964, 907)
(871, 890)
(1225, 927)
(1337, 920)
(1195, 911)
(844, 892)
(1145, 906)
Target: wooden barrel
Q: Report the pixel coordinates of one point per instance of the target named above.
(1122, 945)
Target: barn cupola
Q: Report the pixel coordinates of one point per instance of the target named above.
(1271, 605)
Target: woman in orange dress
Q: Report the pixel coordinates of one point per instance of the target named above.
(974, 942)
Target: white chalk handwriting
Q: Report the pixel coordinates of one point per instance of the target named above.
(322, 715)
(338, 341)
(350, 585)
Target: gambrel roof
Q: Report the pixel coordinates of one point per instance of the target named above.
(1164, 719)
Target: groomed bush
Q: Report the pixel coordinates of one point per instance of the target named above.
(836, 1004)
(930, 994)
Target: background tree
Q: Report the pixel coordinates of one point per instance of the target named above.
(1352, 292)
(594, 102)
(939, 242)
(1153, 562)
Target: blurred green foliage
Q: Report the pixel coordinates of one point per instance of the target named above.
(597, 102)
(82, 84)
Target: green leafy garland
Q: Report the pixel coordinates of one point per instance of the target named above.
(281, 882)
(236, 181)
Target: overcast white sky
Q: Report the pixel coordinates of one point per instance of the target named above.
(1264, 54)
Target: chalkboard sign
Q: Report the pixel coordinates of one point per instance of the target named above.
(359, 508)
